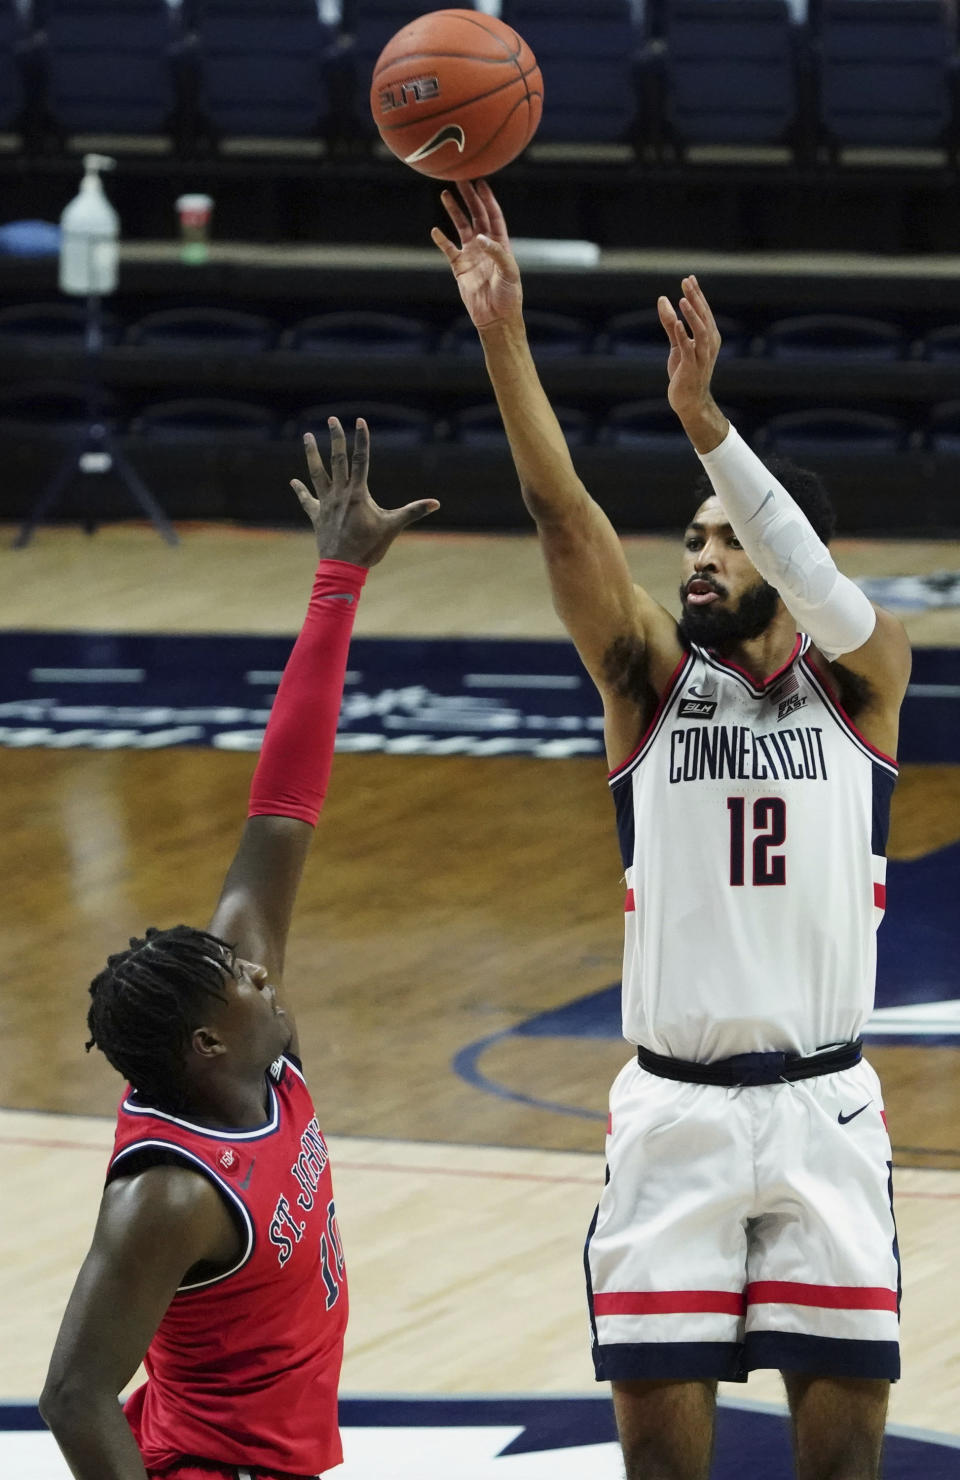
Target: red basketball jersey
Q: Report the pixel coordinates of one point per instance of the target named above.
(244, 1366)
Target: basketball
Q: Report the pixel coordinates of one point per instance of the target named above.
(456, 94)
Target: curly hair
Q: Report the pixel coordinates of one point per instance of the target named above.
(147, 1001)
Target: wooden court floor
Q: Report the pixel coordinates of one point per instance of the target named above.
(447, 899)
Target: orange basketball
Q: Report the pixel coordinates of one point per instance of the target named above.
(456, 94)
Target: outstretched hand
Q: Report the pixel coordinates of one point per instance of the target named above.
(484, 266)
(346, 521)
(694, 346)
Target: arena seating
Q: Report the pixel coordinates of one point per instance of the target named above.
(730, 71)
(261, 68)
(886, 72)
(109, 65)
(586, 53)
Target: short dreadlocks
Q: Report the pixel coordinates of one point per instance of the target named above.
(147, 1001)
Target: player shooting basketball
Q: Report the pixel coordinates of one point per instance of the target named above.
(216, 1257)
(746, 1220)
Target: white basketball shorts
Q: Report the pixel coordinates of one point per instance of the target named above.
(745, 1227)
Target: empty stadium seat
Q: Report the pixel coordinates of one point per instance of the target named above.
(109, 65)
(357, 332)
(836, 432)
(832, 336)
(586, 54)
(650, 426)
(391, 426)
(941, 432)
(57, 409)
(941, 345)
(482, 426)
(884, 70)
(203, 331)
(261, 68)
(11, 81)
(205, 420)
(729, 72)
(550, 335)
(49, 326)
(639, 335)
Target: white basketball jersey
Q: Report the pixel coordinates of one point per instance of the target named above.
(753, 823)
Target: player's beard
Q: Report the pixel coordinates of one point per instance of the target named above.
(721, 627)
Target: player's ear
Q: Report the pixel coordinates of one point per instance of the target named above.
(207, 1043)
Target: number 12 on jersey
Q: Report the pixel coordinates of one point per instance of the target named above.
(769, 827)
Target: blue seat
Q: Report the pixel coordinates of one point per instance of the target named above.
(203, 331)
(356, 332)
(833, 337)
(205, 420)
(586, 53)
(261, 67)
(482, 426)
(729, 72)
(835, 432)
(638, 335)
(941, 346)
(391, 426)
(11, 78)
(942, 430)
(884, 71)
(49, 327)
(109, 65)
(49, 408)
(650, 426)
(551, 335)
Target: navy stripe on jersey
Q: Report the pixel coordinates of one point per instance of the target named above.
(883, 784)
(166, 1149)
(846, 723)
(679, 676)
(132, 1106)
(626, 822)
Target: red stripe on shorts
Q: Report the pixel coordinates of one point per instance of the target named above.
(831, 1297)
(669, 1302)
(880, 896)
(628, 903)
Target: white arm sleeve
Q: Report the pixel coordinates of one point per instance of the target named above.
(786, 550)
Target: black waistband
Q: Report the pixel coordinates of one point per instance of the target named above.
(754, 1068)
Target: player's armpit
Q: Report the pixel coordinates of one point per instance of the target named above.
(882, 666)
(151, 1229)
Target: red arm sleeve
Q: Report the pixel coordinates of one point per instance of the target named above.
(294, 767)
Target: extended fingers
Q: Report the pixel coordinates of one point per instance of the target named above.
(445, 244)
(307, 500)
(318, 473)
(495, 218)
(339, 463)
(410, 513)
(476, 205)
(361, 453)
(698, 314)
(457, 215)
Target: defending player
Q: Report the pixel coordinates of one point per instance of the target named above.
(216, 1257)
(746, 1220)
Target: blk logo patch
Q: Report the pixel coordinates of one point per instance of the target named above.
(697, 708)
